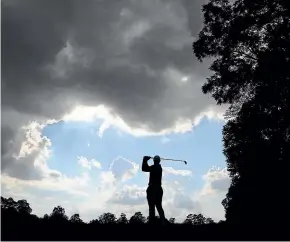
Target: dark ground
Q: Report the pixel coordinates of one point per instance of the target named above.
(49, 231)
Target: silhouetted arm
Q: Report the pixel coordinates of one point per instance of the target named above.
(145, 166)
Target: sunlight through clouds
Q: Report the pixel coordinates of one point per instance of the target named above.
(110, 119)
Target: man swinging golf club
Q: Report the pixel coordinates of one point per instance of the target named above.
(154, 190)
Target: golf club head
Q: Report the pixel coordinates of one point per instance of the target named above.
(185, 162)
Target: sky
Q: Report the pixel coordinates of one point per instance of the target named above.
(90, 87)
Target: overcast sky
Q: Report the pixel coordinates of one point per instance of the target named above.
(88, 88)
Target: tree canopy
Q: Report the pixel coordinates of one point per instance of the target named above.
(249, 43)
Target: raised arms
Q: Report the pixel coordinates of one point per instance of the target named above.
(145, 166)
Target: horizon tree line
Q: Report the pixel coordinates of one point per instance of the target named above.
(22, 208)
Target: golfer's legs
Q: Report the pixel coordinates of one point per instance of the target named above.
(151, 211)
(150, 200)
(159, 204)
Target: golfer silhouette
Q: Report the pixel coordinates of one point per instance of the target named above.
(154, 190)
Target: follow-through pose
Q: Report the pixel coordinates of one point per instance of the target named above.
(154, 190)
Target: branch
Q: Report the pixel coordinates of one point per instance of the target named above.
(249, 56)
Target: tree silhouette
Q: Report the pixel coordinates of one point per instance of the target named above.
(8, 203)
(209, 221)
(76, 219)
(22, 206)
(249, 41)
(58, 214)
(199, 219)
(17, 225)
(122, 219)
(137, 218)
(107, 218)
(94, 222)
(195, 219)
(171, 220)
(189, 219)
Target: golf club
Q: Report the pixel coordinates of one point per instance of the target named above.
(185, 162)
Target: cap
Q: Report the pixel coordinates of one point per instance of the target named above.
(156, 158)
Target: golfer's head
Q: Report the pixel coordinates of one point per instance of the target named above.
(156, 159)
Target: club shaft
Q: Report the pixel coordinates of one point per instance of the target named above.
(172, 159)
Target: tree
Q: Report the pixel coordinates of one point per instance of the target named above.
(107, 218)
(243, 38)
(172, 220)
(195, 219)
(122, 219)
(94, 222)
(250, 43)
(137, 218)
(58, 214)
(76, 219)
(209, 221)
(8, 204)
(23, 207)
(199, 219)
(189, 219)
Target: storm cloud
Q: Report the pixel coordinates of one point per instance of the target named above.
(133, 57)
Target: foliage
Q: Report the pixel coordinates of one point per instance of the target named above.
(58, 215)
(249, 42)
(195, 219)
(137, 218)
(21, 206)
(17, 216)
(172, 220)
(76, 219)
(122, 219)
(107, 218)
(94, 222)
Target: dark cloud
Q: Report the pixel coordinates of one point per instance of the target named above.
(33, 32)
(22, 167)
(128, 55)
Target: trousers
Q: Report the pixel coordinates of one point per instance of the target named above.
(154, 199)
